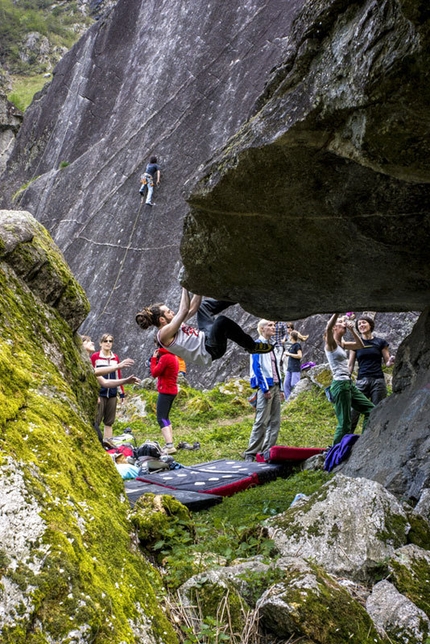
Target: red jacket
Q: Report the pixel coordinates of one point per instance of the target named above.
(165, 368)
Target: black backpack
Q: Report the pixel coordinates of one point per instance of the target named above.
(149, 448)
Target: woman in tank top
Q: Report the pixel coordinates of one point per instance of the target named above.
(202, 345)
(343, 391)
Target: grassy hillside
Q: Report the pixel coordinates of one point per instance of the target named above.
(34, 35)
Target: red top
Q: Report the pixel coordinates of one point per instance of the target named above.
(165, 368)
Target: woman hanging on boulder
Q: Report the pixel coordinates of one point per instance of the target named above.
(343, 391)
(202, 345)
(370, 378)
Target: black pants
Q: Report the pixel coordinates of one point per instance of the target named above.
(218, 330)
(164, 405)
(375, 389)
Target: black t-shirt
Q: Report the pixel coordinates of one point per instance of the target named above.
(152, 169)
(370, 358)
(294, 363)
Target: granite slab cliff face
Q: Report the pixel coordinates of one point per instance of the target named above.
(69, 570)
(165, 78)
(321, 201)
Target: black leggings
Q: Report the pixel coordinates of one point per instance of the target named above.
(218, 330)
(164, 405)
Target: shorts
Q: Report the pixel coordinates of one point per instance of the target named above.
(106, 410)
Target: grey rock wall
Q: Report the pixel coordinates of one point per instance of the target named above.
(149, 78)
(10, 121)
(323, 195)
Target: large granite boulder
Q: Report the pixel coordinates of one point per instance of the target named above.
(349, 527)
(396, 616)
(320, 202)
(133, 87)
(69, 569)
(325, 587)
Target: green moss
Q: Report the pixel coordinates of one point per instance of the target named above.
(326, 614)
(210, 597)
(413, 581)
(161, 521)
(258, 581)
(24, 187)
(90, 571)
(394, 531)
(419, 534)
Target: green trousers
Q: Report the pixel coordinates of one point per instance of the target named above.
(346, 396)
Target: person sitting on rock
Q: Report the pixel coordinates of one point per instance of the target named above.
(202, 345)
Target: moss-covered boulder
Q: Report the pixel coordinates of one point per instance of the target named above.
(350, 527)
(70, 571)
(310, 603)
(216, 596)
(409, 569)
(396, 616)
(162, 521)
(419, 533)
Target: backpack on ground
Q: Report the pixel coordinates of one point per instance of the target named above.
(149, 448)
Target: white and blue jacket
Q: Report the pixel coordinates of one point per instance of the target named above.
(261, 374)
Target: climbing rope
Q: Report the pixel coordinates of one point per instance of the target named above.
(122, 262)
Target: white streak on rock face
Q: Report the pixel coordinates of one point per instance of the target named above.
(21, 529)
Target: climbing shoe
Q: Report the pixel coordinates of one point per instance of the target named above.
(262, 347)
(184, 445)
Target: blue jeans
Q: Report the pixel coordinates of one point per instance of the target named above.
(291, 379)
(149, 187)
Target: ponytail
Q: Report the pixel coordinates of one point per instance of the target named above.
(149, 316)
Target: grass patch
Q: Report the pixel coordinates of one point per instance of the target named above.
(24, 88)
(221, 420)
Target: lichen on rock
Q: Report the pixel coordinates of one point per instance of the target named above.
(350, 527)
(70, 571)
